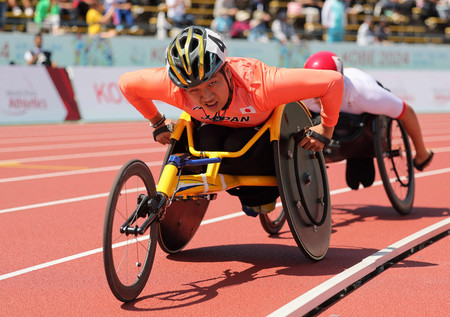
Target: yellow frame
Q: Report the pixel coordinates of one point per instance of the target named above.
(211, 181)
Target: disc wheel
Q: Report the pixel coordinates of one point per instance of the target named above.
(303, 186)
(273, 221)
(128, 259)
(395, 163)
(184, 215)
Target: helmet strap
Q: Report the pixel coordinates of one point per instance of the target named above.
(217, 116)
(230, 89)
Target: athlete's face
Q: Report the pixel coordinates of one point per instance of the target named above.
(212, 95)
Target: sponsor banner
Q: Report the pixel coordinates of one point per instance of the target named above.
(99, 97)
(425, 91)
(82, 50)
(28, 95)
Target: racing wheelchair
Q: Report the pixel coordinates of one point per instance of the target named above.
(369, 136)
(140, 215)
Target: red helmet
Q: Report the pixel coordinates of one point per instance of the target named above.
(325, 60)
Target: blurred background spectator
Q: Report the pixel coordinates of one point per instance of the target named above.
(96, 20)
(162, 25)
(258, 5)
(67, 12)
(47, 16)
(312, 10)
(382, 31)
(390, 7)
(16, 10)
(176, 12)
(229, 5)
(122, 17)
(222, 22)
(37, 55)
(258, 27)
(81, 8)
(283, 29)
(427, 8)
(366, 32)
(334, 20)
(443, 9)
(241, 25)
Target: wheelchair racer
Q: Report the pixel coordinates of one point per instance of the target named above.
(231, 97)
(363, 94)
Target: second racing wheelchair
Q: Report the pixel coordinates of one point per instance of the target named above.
(140, 215)
(368, 137)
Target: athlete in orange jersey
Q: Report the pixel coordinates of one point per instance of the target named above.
(230, 96)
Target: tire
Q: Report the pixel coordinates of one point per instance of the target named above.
(128, 259)
(273, 221)
(395, 162)
(303, 185)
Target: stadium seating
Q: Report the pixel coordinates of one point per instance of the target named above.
(404, 29)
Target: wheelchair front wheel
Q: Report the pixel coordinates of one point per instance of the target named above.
(395, 163)
(128, 258)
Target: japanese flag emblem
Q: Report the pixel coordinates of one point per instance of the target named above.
(248, 110)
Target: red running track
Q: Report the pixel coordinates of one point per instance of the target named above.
(54, 181)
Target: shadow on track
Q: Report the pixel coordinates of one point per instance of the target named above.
(362, 213)
(285, 260)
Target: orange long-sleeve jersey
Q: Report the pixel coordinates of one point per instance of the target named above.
(258, 89)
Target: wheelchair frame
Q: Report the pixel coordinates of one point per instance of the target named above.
(309, 218)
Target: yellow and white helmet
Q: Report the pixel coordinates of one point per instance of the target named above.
(194, 56)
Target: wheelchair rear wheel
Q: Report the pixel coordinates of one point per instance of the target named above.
(273, 221)
(303, 186)
(128, 258)
(395, 163)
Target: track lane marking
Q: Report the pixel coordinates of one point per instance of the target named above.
(69, 173)
(37, 166)
(95, 144)
(95, 196)
(319, 294)
(100, 169)
(84, 155)
(204, 222)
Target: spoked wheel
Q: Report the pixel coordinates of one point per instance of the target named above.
(128, 258)
(273, 221)
(395, 163)
(303, 186)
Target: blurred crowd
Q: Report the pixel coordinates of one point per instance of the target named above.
(254, 20)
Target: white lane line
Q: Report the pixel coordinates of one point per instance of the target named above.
(87, 253)
(82, 155)
(95, 144)
(69, 173)
(65, 138)
(316, 296)
(99, 250)
(95, 196)
(51, 263)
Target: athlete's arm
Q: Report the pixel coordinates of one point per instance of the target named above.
(300, 84)
(141, 87)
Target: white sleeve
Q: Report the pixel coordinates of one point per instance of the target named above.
(28, 56)
(326, 14)
(369, 96)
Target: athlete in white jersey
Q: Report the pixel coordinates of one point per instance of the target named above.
(363, 94)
